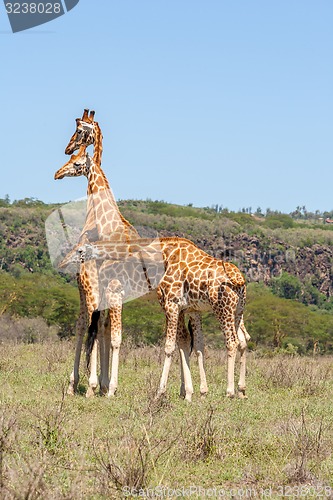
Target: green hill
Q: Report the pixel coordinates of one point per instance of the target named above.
(287, 260)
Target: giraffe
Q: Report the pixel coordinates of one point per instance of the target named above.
(103, 220)
(84, 135)
(192, 282)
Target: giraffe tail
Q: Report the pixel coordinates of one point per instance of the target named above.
(92, 335)
(190, 329)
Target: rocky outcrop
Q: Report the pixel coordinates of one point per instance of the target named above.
(262, 260)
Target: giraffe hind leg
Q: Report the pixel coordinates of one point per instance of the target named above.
(172, 312)
(227, 307)
(91, 353)
(243, 336)
(195, 325)
(104, 355)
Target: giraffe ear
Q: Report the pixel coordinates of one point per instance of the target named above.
(92, 114)
(78, 121)
(85, 114)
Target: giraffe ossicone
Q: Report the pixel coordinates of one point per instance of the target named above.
(84, 134)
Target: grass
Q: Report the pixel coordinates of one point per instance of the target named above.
(54, 446)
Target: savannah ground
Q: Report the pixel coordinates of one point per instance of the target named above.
(278, 442)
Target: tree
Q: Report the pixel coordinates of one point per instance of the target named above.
(5, 202)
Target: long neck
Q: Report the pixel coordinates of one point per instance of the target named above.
(97, 180)
(98, 144)
(103, 214)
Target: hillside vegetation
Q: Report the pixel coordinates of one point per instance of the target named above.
(286, 258)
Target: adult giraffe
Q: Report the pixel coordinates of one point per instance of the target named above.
(86, 134)
(103, 221)
(192, 282)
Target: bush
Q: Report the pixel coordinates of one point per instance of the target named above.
(26, 330)
(274, 321)
(274, 221)
(287, 286)
(38, 295)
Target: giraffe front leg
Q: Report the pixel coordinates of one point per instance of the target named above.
(199, 347)
(93, 379)
(80, 330)
(165, 373)
(116, 335)
(93, 339)
(170, 344)
(75, 377)
(184, 346)
(182, 392)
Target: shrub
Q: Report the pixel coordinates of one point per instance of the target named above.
(274, 221)
(287, 286)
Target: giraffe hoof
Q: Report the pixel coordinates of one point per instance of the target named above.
(112, 392)
(230, 395)
(159, 395)
(182, 393)
(188, 398)
(90, 392)
(241, 394)
(203, 395)
(70, 390)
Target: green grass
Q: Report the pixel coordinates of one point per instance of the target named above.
(55, 446)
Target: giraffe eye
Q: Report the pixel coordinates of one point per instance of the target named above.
(77, 164)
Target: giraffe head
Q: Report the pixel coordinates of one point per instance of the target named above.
(80, 254)
(78, 165)
(84, 133)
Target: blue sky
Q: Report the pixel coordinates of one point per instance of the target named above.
(204, 102)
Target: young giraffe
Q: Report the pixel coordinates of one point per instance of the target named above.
(104, 221)
(192, 282)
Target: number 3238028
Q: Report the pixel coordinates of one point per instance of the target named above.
(33, 8)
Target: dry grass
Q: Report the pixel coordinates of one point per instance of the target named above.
(56, 447)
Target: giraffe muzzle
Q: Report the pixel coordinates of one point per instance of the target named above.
(58, 175)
